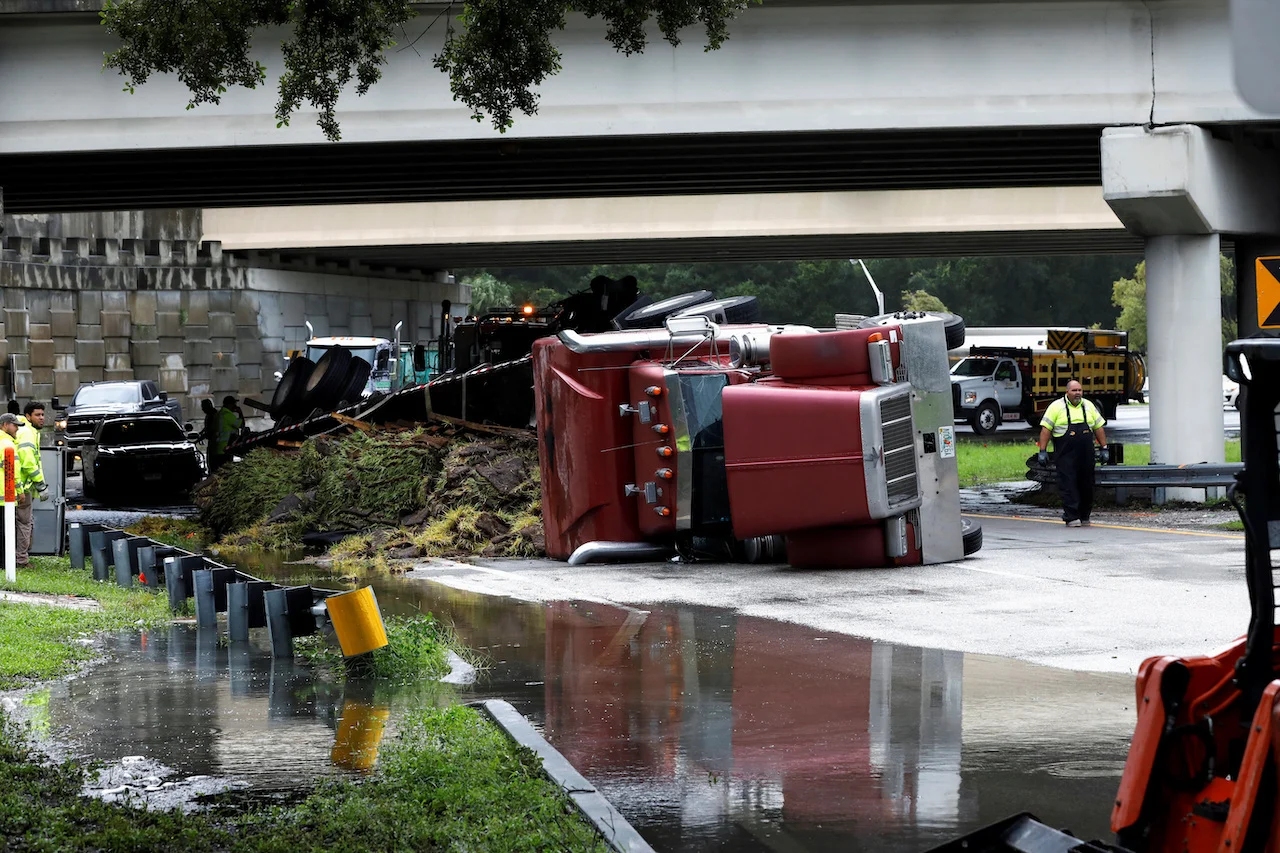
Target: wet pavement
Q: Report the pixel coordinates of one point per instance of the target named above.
(708, 729)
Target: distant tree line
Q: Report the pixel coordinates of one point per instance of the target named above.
(1101, 291)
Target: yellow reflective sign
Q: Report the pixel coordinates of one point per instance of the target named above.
(1266, 285)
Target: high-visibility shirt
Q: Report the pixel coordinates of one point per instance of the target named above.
(229, 423)
(1054, 418)
(30, 468)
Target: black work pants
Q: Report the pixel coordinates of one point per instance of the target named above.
(1075, 480)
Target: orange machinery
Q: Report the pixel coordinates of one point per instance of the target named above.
(1201, 772)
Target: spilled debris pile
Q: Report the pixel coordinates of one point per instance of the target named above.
(444, 489)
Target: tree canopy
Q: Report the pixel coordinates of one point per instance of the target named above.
(495, 51)
(1072, 290)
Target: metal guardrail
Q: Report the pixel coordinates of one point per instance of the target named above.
(1194, 476)
(285, 611)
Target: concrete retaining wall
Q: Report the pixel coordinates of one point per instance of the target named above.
(152, 302)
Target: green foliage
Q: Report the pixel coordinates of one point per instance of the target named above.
(921, 300)
(500, 50)
(39, 641)
(178, 532)
(487, 293)
(1130, 296)
(206, 43)
(1068, 290)
(451, 781)
(417, 648)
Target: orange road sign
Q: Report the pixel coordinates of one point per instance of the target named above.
(1266, 284)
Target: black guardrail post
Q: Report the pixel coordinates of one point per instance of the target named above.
(238, 612)
(202, 586)
(173, 583)
(101, 552)
(278, 623)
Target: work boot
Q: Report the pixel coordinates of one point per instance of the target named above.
(1084, 522)
(1075, 522)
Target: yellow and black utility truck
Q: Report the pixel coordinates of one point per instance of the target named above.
(997, 384)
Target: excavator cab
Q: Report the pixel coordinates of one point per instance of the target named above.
(1201, 771)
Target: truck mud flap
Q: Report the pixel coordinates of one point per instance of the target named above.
(1022, 833)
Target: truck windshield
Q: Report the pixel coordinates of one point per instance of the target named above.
(975, 367)
(364, 353)
(140, 432)
(97, 395)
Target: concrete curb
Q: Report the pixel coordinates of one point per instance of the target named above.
(619, 834)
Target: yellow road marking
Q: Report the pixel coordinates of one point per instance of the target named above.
(1111, 526)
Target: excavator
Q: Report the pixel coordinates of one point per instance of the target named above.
(1201, 775)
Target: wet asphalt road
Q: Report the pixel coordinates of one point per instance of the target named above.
(1102, 598)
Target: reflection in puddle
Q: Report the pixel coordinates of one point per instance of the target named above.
(706, 728)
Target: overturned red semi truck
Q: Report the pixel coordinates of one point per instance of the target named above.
(828, 448)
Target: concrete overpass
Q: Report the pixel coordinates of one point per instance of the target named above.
(811, 109)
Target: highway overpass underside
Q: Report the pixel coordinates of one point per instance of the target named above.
(757, 226)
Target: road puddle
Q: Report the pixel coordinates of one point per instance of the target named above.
(707, 729)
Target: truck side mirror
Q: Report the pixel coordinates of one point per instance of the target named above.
(55, 405)
(164, 396)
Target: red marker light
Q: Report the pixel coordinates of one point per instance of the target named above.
(664, 473)
(663, 511)
(654, 390)
(661, 429)
(664, 451)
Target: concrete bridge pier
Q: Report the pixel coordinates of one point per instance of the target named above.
(1180, 188)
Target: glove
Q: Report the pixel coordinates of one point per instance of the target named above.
(42, 490)
(1101, 455)
(1043, 457)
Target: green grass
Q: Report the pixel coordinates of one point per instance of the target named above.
(39, 642)
(982, 462)
(452, 781)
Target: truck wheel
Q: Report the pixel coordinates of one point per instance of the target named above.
(1033, 420)
(952, 324)
(971, 536)
(764, 549)
(293, 385)
(735, 309)
(986, 419)
(652, 316)
(325, 385)
(355, 381)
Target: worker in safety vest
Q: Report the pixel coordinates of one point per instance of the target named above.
(230, 422)
(1073, 422)
(31, 470)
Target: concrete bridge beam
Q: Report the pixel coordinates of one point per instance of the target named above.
(1180, 188)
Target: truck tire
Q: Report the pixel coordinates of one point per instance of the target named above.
(986, 419)
(952, 324)
(764, 549)
(355, 381)
(1033, 420)
(641, 302)
(734, 309)
(325, 385)
(653, 315)
(971, 536)
(293, 385)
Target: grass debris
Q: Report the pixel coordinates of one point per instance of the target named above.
(436, 491)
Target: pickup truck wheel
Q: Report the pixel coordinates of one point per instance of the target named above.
(986, 419)
(971, 536)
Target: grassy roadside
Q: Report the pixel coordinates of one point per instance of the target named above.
(40, 642)
(982, 463)
(451, 781)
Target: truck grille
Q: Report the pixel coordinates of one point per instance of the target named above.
(955, 399)
(898, 439)
(83, 427)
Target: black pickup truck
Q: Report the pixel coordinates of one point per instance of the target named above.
(95, 401)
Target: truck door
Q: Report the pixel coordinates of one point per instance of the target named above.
(1008, 383)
